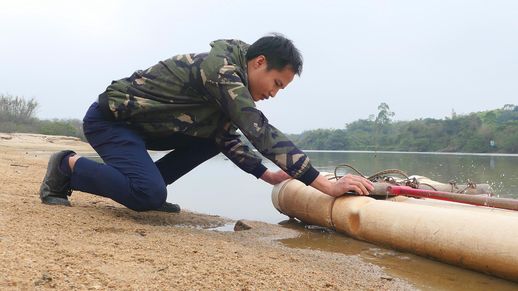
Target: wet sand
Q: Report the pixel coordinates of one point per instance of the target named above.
(99, 244)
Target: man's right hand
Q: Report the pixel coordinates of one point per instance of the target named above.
(348, 183)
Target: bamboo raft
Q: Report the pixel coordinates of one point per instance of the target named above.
(480, 238)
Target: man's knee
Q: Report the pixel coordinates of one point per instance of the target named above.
(150, 196)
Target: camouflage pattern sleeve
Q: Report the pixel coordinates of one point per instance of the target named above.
(238, 152)
(226, 83)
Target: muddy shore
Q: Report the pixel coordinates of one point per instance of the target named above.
(99, 244)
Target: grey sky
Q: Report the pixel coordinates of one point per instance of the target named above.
(423, 58)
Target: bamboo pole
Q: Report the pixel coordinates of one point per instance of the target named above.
(504, 203)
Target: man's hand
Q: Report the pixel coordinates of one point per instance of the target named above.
(348, 183)
(353, 183)
(275, 177)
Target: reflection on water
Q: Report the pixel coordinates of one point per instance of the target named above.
(424, 273)
(500, 171)
(221, 188)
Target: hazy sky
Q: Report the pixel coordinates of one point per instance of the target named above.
(423, 58)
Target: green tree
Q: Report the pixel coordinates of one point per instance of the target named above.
(384, 115)
(508, 107)
(381, 123)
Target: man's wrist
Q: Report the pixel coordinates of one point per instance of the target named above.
(309, 176)
(259, 171)
(324, 185)
(267, 177)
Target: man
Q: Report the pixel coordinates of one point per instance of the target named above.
(191, 104)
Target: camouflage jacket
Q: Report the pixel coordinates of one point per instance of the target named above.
(205, 95)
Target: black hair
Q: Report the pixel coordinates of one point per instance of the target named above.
(278, 51)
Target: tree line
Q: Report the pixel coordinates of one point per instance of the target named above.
(18, 115)
(481, 132)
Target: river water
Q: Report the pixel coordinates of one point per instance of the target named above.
(219, 187)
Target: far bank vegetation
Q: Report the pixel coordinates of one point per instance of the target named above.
(480, 132)
(17, 114)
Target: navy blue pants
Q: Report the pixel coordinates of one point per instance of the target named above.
(129, 175)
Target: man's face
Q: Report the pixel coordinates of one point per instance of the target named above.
(264, 83)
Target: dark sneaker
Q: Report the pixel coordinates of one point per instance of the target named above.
(169, 207)
(56, 186)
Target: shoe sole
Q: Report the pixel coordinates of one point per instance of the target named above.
(51, 200)
(169, 207)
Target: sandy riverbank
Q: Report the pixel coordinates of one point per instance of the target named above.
(99, 244)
